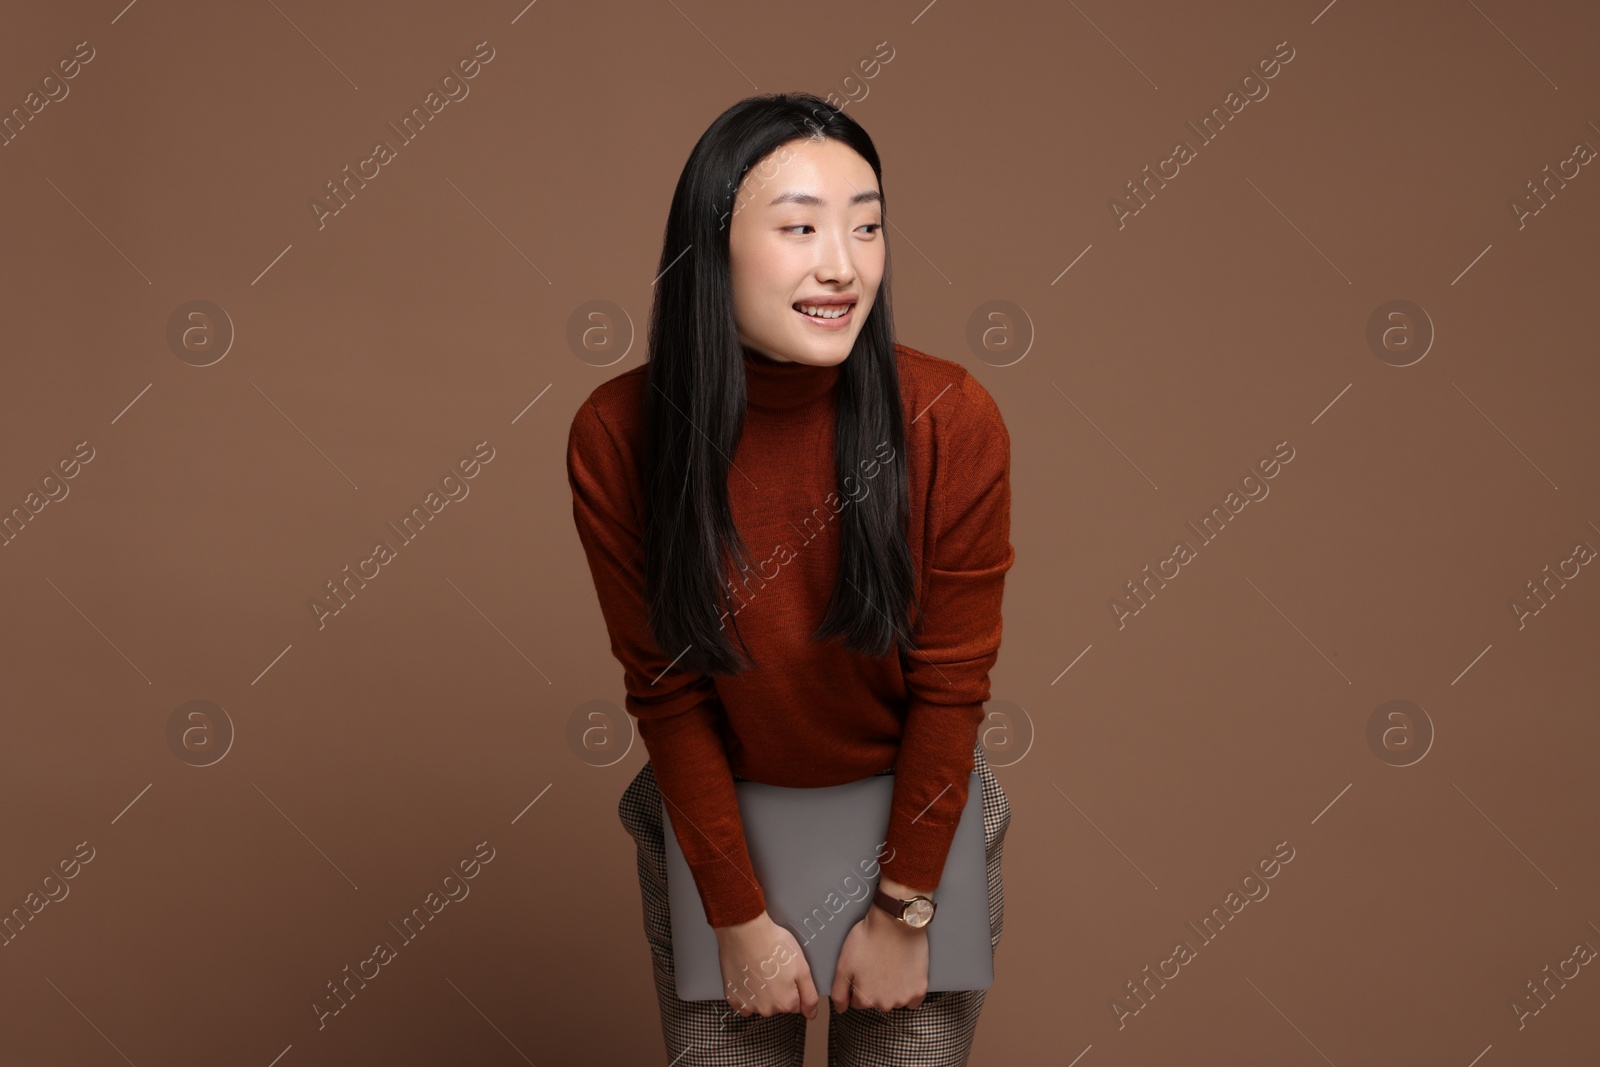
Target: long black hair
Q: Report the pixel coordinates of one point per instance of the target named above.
(695, 406)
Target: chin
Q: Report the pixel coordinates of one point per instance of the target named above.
(836, 343)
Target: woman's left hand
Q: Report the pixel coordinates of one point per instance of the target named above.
(883, 964)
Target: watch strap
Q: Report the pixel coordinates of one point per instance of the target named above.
(892, 905)
(897, 907)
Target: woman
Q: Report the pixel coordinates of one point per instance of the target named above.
(777, 411)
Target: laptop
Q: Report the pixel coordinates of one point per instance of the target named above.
(813, 851)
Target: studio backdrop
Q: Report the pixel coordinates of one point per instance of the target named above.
(313, 737)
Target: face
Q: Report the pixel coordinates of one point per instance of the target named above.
(806, 229)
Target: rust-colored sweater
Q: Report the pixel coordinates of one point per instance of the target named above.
(812, 714)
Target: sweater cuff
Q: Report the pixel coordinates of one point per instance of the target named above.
(696, 787)
(933, 776)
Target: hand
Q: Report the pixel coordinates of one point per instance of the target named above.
(763, 970)
(883, 964)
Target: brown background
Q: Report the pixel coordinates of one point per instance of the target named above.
(363, 759)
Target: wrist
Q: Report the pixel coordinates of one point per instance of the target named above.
(888, 911)
(741, 928)
(901, 891)
(878, 919)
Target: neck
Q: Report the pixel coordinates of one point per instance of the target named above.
(778, 385)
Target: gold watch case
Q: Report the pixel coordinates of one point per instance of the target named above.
(917, 912)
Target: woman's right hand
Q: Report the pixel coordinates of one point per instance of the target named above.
(763, 970)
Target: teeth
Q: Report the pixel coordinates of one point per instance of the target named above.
(829, 311)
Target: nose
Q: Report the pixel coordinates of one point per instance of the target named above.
(834, 261)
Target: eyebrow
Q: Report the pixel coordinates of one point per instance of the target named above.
(863, 197)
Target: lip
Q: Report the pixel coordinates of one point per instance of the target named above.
(827, 324)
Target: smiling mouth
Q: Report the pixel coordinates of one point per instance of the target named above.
(831, 312)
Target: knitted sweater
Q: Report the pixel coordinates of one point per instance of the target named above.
(812, 714)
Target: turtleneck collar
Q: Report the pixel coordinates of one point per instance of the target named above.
(774, 386)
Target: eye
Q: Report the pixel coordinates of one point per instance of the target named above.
(874, 227)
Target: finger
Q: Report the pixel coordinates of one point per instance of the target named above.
(840, 994)
(808, 993)
(858, 999)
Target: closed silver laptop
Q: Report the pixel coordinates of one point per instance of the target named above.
(816, 854)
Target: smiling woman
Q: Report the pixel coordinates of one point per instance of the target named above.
(806, 265)
(773, 384)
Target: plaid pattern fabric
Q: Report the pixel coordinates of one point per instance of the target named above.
(709, 1033)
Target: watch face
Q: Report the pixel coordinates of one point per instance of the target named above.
(918, 912)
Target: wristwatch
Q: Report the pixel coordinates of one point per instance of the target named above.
(915, 912)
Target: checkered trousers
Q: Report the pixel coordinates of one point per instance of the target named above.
(710, 1033)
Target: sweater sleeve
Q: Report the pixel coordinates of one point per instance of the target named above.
(958, 639)
(677, 711)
